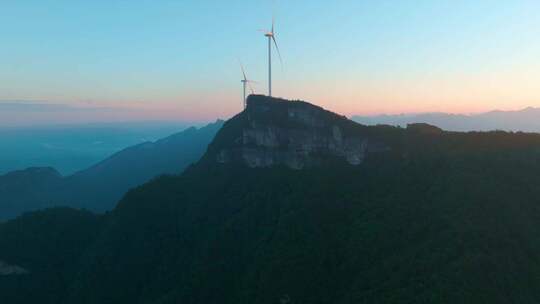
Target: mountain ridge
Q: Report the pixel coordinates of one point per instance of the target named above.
(525, 120)
(100, 186)
(440, 217)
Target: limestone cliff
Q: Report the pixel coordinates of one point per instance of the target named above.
(297, 134)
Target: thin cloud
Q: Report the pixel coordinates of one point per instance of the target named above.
(35, 106)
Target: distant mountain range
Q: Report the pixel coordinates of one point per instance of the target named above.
(526, 120)
(100, 186)
(295, 204)
(71, 148)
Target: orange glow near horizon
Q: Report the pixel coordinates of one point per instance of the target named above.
(352, 57)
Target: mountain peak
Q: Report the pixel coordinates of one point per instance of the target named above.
(297, 134)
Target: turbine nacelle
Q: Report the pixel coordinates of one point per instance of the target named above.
(248, 82)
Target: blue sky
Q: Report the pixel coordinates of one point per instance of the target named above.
(178, 59)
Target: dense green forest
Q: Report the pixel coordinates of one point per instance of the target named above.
(448, 218)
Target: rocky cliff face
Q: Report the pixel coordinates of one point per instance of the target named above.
(293, 133)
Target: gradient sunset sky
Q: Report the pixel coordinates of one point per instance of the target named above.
(164, 60)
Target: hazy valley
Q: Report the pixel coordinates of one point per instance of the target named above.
(101, 185)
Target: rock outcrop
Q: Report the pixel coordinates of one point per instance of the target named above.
(297, 134)
(6, 269)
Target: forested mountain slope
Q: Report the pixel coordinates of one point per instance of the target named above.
(431, 217)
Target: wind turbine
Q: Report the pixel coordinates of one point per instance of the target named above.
(246, 82)
(271, 35)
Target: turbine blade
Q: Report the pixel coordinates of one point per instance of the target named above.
(273, 22)
(250, 87)
(277, 49)
(243, 71)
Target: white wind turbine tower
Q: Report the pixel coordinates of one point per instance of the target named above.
(246, 82)
(271, 35)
